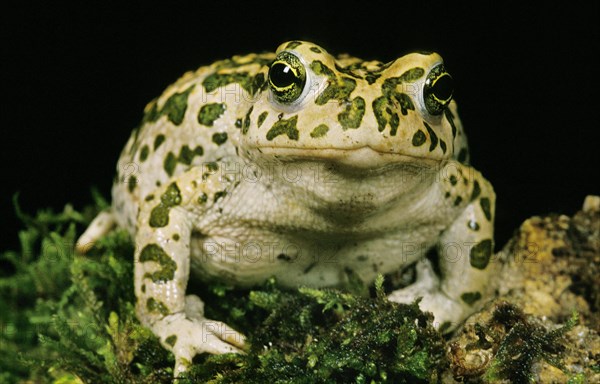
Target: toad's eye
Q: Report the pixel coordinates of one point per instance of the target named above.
(437, 90)
(287, 78)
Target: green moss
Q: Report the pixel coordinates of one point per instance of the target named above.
(523, 344)
(332, 337)
(67, 318)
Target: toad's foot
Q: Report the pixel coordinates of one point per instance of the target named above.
(447, 312)
(190, 334)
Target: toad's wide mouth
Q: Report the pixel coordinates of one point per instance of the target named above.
(359, 157)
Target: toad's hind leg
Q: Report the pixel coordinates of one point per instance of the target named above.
(99, 227)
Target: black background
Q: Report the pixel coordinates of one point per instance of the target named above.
(75, 80)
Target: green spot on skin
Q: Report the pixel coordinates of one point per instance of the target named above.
(384, 114)
(443, 145)
(261, 118)
(405, 102)
(210, 112)
(170, 163)
(212, 166)
(238, 123)
(144, 153)
(350, 70)
(219, 138)
(171, 340)
(470, 297)
(159, 216)
(186, 155)
(484, 202)
(463, 155)
(172, 196)
(433, 136)
(352, 116)
(151, 113)
(321, 69)
(202, 198)
(149, 197)
(385, 107)
(154, 253)
(476, 190)
(219, 195)
(131, 183)
(453, 180)
(419, 138)
(412, 75)
(372, 77)
(249, 83)
(176, 236)
(246, 123)
(315, 49)
(319, 131)
(156, 306)
(158, 140)
(338, 88)
(293, 44)
(284, 127)
(450, 119)
(480, 254)
(174, 108)
(457, 201)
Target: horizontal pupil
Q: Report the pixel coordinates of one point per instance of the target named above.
(443, 88)
(282, 75)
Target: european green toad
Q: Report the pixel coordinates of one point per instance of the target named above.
(307, 167)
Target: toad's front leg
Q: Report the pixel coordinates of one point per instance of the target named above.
(464, 251)
(162, 266)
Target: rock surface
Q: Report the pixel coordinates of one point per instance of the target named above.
(549, 269)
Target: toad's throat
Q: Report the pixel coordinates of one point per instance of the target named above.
(361, 157)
